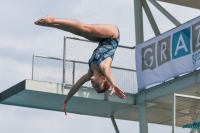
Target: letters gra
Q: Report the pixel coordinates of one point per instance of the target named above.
(169, 54)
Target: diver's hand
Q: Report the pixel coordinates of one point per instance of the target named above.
(64, 107)
(116, 90)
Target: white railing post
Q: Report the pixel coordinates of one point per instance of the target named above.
(73, 73)
(33, 64)
(64, 57)
(173, 113)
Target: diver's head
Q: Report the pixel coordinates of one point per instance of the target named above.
(100, 83)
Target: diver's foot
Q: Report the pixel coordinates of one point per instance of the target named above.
(46, 21)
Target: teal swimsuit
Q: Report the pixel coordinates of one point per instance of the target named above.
(105, 49)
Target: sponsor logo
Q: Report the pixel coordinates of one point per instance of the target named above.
(149, 61)
(196, 42)
(177, 45)
(181, 43)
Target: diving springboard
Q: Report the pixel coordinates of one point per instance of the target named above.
(49, 96)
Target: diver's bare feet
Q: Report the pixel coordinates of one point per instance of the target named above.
(46, 21)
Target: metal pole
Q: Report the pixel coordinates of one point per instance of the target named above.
(166, 13)
(64, 57)
(106, 96)
(41, 56)
(73, 73)
(139, 37)
(150, 17)
(33, 62)
(143, 117)
(114, 124)
(173, 113)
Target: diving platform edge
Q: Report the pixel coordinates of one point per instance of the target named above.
(49, 96)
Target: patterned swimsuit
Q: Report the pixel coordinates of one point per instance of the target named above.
(105, 49)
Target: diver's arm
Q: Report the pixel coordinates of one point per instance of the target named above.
(106, 71)
(105, 68)
(75, 88)
(115, 89)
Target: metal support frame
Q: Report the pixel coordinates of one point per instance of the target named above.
(139, 37)
(143, 118)
(165, 12)
(150, 18)
(114, 124)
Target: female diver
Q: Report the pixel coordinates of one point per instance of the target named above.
(100, 63)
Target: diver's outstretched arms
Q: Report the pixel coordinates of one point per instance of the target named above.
(95, 30)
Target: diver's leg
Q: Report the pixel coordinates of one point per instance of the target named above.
(96, 30)
(73, 31)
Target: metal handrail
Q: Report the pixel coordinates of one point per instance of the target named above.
(75, 38)
(73, 69)
(41, 56)
(73, 61)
